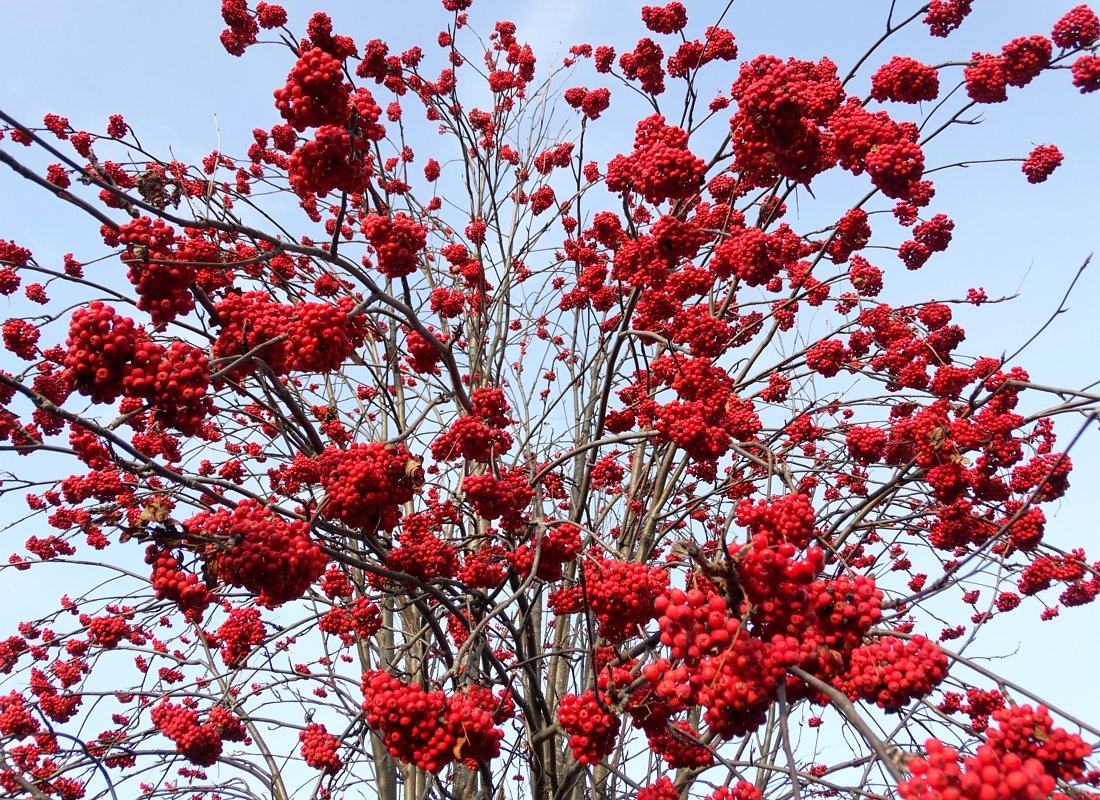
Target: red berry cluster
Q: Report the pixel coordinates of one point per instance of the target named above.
(661, 167)
(680, 746)
(16, 719)
(789, 518)
(305, 337)
(622, 595)
(367, 483)
(424, 357)
(333, 159)
(397, 241)
(891, 671)
(739, 790)
(505, 497)
(887, 150)
(315, 94)
(643, 64)
(661, 789)
(485, 568)
(259, 551)
(164, 290)
(866, 443)
(170, 582)
(707, 418)
(905, 80)
(944, 16)
(430, 729)
(559, 545)
(480, 435)
(320, 749)
(241, 633)
(1078, 27)
(357, 621)
(101, 345)
(593, 730)
(1042, 161)
(667, 19)
(175, 382)
(941, 775)
(591, 103)
(1030, 733)
(778, 129)
(1024, 58)
(200, 743)
(694, 624)
(242, 28)
(423, 554)
(21, 338)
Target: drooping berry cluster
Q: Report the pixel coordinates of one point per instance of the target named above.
(504, 497)
(199, 742)
(622, 595)
(241, 633)
(397, 242)
(941, 774)
(171, 582)
(431, 729)
(661, 167)
(164, 289)
(304, 337)
(480, 435)
(891, 672)
(320, 749)
(593, 730)
(905, 80)
(367, 483)
(315, 94)
(259, 551)
(778, 129)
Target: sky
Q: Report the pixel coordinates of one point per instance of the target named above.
(160, 64)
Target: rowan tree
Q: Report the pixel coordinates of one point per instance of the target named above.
(493, 425)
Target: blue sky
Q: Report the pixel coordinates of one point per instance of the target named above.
(160, 64)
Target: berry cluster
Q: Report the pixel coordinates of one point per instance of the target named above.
(891, 671)
(559, 545)
(333, 159)
(778, 130)
(101, 345)
(940, 774)
(315, 94)
(304, 337)
(367, 483)
(480, 435)
(1078, 27)
(905, 80)
(1041, 162)
(593, 730)
(874, 143)
(1030, 733)
(320, 749)
(259, 551)
(164, 289)
(170, 582)
(622, 595)
(661, 167)
(430, 729)
(505, 497)
(397, 242)
(200, 743)
(241, 633)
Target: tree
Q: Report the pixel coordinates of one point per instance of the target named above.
(524, 460)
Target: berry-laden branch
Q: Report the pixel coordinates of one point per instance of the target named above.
(437, 439)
